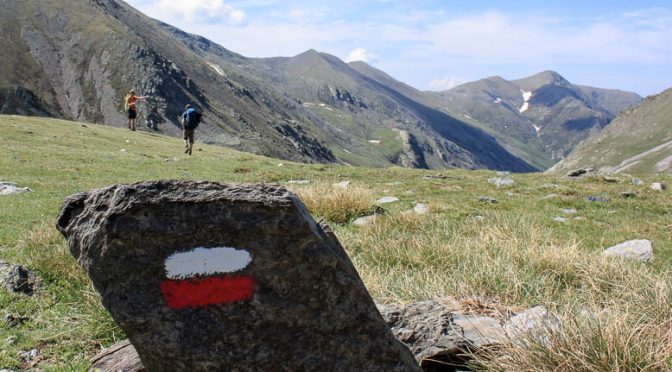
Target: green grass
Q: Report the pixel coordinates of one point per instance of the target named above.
(509, 255)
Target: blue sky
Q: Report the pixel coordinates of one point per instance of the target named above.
(434, 45)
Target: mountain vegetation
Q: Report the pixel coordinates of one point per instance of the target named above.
(79, 59)
(638, 141)
(492, 250)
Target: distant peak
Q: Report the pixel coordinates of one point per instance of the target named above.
(309, 52)
(543, 78)
(550, 75)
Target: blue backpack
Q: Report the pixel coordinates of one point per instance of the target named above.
(192, 118)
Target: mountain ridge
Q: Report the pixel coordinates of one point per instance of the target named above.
(639, 140)
(540, 118)
(80, 57)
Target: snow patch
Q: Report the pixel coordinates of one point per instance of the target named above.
(216, 68)
(526, 99)
(497, 100)
(374, 141)
(537, 128)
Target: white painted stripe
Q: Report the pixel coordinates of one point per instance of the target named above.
(206, 261)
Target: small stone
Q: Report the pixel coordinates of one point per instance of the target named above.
(628, 194)
(17, 278)
(123, 150)
(658, 186)
(560, 219)
(597, 199)
(510, 194)
(298, 182)
(409, 192)
(551, 186)
(30, 355)
(421, 209)
(549, 196)
(342, 185)
(639, 249)
(365, 220)
(11, 340)
(387, 199)
(503, 173)
(9, 188)
(636, 182)
(281, 164)
(501, 181)
(478, 218)
(568, 211)
(487, 199)
(580, 172)
(610, 179)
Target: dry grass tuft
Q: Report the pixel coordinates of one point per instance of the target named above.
(336, 204)
(615, 315)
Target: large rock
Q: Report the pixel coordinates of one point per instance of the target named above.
(207, 276)
(639, 249)
(438, 337)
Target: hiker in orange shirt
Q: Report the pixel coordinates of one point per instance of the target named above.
(130, 106)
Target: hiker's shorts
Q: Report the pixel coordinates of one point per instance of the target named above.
(132, 114)
(189, 135)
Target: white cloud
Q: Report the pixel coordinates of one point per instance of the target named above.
(446, 83)
(203, 11)
(360, 54)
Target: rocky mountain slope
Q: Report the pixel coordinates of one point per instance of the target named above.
(78, 58)
(540, 118)
(637, 141)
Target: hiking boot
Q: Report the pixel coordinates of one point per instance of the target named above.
(189, 151)
(186, 151)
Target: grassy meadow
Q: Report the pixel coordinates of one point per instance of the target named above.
(491, 258)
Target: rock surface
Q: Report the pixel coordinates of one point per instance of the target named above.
(9, 188)
(275, 291)
(639, 249)
(17, 278)
(437, 337)
(580, 172)
(535, 322)
(366, 220)
(121, 356)
(421, 208)
(387, 200)
(658, 186)
(501, 181)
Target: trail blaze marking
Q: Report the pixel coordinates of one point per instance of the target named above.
(202, 277)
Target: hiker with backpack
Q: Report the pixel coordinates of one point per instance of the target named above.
(190, 120)
(130, 105)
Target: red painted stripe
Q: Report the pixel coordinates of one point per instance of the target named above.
(190, 293)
